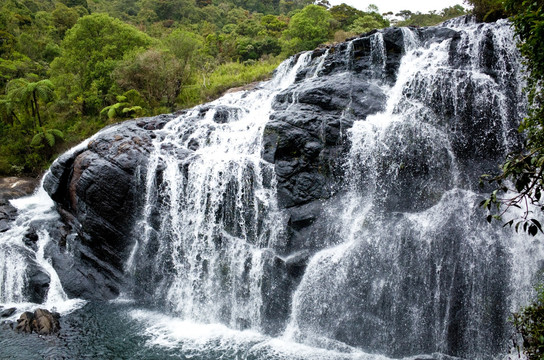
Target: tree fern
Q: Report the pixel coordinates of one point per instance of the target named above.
(28, 94)
(37, 139)
(46, 137)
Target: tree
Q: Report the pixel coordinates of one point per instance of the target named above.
(7, 111)
(488, 10)
(372, 8)
(345, 15)
(28, 94)
(368, 22)
(529, 323)
(156, 74)
(309, 28)
(273, 25)
(453, 11)
(185, 46)
(524, 169)
(64, 18)
(324, 3)
(405, 14)
(91, 50)
(44, 142)
(46, 139)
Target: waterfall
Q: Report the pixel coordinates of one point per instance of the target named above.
(418, 270)
(27, 275)
(23, 265)
(406, 263)
(211, 210)
(331, 212)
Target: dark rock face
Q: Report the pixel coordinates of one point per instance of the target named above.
(38, 283)
(42, 322)
(7, 215)
(97, 192)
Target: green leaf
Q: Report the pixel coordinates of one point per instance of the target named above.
(37, 139)
(112, 112)
(57, 133)
(50, 138)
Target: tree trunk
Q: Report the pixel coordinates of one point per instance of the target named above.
(37, 109)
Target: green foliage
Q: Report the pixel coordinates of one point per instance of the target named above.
(28, 95)
(125, 108)
(431, 18)
(308, 28)
(529, 323)
(488, 10)
(91, 50)
(135, 57)
(345, 15)
(64, 18)
(524, 170)
(232, 75)
(156, 74)
(46, 137)
(364, 24)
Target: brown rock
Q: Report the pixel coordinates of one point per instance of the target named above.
(24, 323)
(14, 187)
(42, 322)
(45, 322)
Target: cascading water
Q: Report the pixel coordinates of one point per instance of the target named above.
(23, 267)
(330, 213)
(415, 269)
(208, 218)
(419, 271)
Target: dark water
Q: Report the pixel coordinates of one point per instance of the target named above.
(109, 330)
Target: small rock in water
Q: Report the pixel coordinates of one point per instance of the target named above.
(24, 323)
(4, 313)
(42, 322)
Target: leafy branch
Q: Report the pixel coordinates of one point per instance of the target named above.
(525, 173)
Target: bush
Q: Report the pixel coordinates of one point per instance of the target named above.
(529, 323)
(488, 10)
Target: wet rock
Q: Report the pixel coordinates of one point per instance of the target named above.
(41, 321)
(37, 283)
(296, 263)
(24, 323)
(15, 187)
(7, 215)
(46, 322)
(98, 191)
(4, 225)
(4, 313)
(30, 239)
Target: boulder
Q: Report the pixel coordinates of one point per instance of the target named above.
(5, 313)
(15, 187)
(97, 189)
(46, 322)
(24, 323)
(41, 321)
(37, 284)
